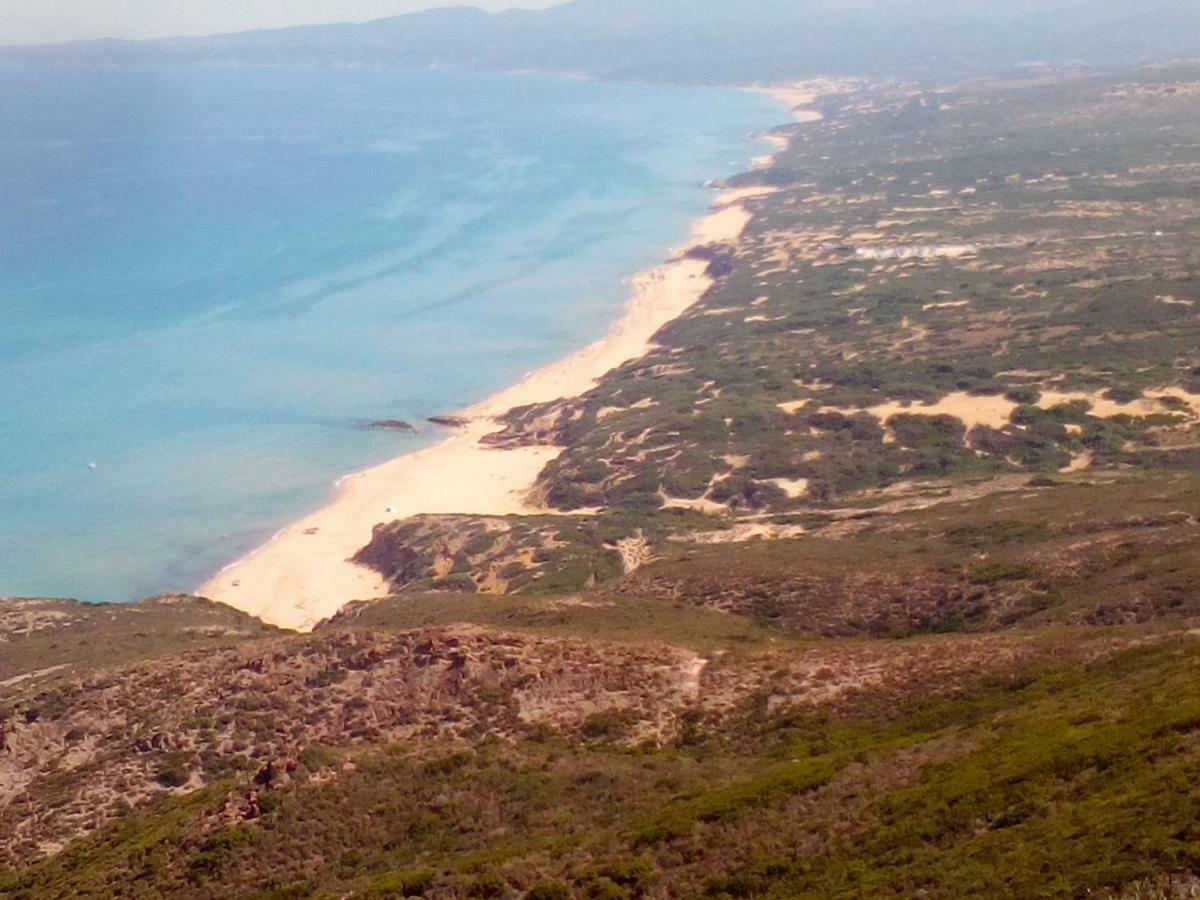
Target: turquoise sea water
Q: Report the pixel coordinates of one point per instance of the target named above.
(209, 277)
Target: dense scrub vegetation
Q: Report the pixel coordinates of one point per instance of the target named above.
(1048, 783)
(1041, 276)
(1082, 550)
(944, 287)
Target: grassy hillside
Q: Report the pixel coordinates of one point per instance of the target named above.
(70, 638)
(1051, 779)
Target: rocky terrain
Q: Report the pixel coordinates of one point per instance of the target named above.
(99, 745)
(250, 723)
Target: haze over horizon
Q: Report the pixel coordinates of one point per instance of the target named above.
(57, 21)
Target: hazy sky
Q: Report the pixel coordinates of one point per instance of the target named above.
(46, 21)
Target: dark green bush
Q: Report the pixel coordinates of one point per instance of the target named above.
(550, 890)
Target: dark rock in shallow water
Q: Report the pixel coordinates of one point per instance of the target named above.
(391, 425)
(450, 421)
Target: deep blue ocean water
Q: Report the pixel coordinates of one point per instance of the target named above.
(210, 276)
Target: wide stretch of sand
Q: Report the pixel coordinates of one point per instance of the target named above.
(799, 97)
(304, 574)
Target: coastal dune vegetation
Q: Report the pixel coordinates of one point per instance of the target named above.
(871, 573)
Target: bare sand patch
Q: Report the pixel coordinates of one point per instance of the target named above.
(740, 534)
(974, 411)
(1100, 406)
(793, 487)
(1079, 462)
(700, 505)
(30, 676)
(1190, 399)
(1172, 300)
(731, 196)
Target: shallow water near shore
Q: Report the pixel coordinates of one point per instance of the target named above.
(210, 278)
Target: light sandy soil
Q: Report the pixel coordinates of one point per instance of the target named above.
(1104, 408)
(793, 487)
(30, 676)
(797, 96)
(992, 412)
(1079, 462)
(737, 195)
(996, 411)
(743, 533)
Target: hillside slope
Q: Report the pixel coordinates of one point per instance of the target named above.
(708, 41)
(460, 762)
(877, 578)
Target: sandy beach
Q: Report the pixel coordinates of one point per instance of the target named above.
(303, 575)
(799, 97)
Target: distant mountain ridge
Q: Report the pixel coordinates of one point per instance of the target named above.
(702, 41)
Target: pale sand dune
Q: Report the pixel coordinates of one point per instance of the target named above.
(722, 226)
(737, 195)
(1100, 406)
(303, 575)
(1106, 408)
(793, 487)
(797, 97)
(1079, 463)
(974, 411)
(996, 411)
